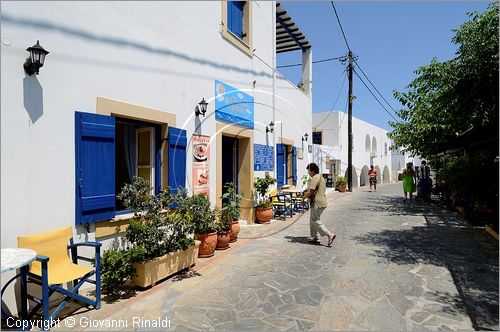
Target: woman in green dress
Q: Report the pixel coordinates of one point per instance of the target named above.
(409, 185)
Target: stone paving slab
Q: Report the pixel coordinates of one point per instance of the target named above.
(393, 266)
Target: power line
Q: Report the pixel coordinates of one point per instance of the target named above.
(317, 61)
(331, 110)
(374, 87)
(385, 109)
(341, 28)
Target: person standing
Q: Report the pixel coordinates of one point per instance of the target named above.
(316, 193)
(372, 175)
(409, 181)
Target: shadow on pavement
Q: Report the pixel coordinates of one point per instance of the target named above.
(445, 241)
(301, 240)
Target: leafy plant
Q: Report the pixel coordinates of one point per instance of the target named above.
(202, 216)
(231, 202)
(261, 186)
(340, 181)
(305, 179)
(223, 220)
(117, 268)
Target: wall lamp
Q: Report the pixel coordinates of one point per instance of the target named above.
(305, 137)
(201, 108)
(270, 127)
(36, 59)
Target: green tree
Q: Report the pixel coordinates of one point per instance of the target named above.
(448, 98)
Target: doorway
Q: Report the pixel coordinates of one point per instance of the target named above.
(229, 162)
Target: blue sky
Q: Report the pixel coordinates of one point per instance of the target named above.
(391, 39)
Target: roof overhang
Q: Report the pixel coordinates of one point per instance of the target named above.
(288, 35)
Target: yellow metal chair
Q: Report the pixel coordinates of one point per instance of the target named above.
(54, 267)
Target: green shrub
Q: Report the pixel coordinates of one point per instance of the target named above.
(340, 181)
(117, 268)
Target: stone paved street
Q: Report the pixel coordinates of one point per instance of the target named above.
(394, 266)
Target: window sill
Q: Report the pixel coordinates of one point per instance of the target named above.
(237, 41)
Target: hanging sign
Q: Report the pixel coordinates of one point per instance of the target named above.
(201, 160)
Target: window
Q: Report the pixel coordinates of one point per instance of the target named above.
(385, 148)
(237, 24)
(235, 13)
(109, 151)
(318, 137)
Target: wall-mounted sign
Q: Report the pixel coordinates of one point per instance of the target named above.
(233, 105)
(201, 159)
(263, 157)
(300, 153)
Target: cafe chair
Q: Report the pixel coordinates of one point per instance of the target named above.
(282, 206)
(53, 267)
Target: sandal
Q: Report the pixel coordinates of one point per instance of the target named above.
(331, 240)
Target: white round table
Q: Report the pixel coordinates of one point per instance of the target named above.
(17, 258)
(14, 258)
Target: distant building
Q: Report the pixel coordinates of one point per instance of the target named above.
(370, 147)
(399, 159)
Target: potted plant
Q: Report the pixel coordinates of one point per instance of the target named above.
(305, 181)
(159, 237)
(223, 227)
(264, 207)
(231, 209)
(340, 183)
(203, 218)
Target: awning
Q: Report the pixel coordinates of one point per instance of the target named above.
(288, 35)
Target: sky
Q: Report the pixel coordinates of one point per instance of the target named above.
(391, 39)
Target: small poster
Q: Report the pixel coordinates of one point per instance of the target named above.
(201, 160)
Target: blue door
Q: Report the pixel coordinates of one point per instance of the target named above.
(177, 143)
(280, 164)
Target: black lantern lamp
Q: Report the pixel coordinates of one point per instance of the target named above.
(270, 127)
(36, 59)
(201, 108)
(305, 137)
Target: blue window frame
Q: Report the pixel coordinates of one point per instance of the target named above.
(235, 10)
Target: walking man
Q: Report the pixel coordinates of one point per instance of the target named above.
(372, 174)
(316, 192)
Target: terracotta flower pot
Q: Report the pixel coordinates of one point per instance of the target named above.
(263, 215)
(235, 230)
(342, 188)
(208, 243)
(223, 240)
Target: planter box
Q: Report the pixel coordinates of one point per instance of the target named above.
(149, 273)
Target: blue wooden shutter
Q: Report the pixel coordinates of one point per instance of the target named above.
(294, 165)
(280, 161)
(177, 142)
(95, 167)
(235, 17)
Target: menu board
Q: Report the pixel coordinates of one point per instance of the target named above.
(263, 157)
(201, 159)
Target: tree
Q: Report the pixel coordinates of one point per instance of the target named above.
(448, 98)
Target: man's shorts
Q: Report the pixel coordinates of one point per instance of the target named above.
(373, 181)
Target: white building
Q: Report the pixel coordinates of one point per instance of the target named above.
(399, 160)
(370, 147)
(117, 96)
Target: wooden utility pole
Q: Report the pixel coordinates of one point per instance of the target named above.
(349, 128)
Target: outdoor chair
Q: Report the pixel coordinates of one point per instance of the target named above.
(53, 267)
(281, 205)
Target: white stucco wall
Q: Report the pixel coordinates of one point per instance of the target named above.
(161, 55)
(335, 143)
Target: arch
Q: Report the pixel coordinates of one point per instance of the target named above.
(379, 176)
(354, 177)
(367, 143)
(363, 176)
(374, 145)
(387, 174)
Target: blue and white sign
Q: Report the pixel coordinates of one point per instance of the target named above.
(233, 105)
(263, 157)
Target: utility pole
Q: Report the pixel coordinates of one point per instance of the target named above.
(349, 127)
